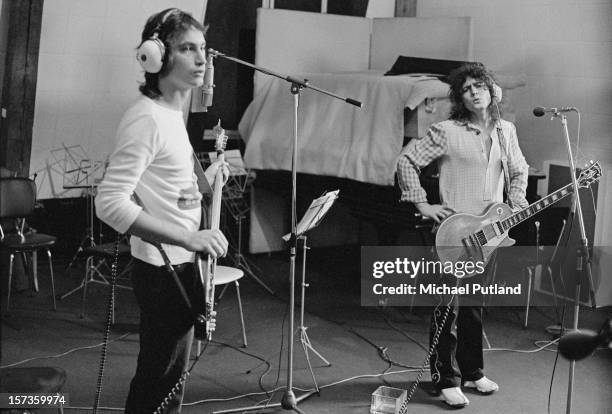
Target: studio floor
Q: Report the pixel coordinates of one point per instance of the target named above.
(367, 347)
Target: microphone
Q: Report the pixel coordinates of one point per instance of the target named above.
(207, 87)
(580, 344)
(540, 111)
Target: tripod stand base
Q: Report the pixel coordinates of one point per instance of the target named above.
(288, 402)
(308, 347)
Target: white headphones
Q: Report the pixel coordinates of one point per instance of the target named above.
(497, 93)
(150, 53)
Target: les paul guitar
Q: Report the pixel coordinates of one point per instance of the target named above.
(207, 268)
(468, 237)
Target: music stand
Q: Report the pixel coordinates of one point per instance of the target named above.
(84, 174)
(311, 219)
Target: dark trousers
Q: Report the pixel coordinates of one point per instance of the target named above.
(166, 335)
(458, 355)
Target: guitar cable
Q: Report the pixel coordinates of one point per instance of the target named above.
(109, 319)
(180, 383)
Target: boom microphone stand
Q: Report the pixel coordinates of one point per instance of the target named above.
(288, 401)
(583, 260)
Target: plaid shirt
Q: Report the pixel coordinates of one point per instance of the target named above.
(469, 181)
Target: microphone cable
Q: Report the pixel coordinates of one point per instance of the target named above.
(552, 376)
(434, 343)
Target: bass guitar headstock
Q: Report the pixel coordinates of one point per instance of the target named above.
(220, 138)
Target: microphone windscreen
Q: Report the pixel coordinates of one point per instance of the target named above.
(579, 344)
(538, 111)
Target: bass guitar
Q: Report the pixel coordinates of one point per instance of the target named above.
(472, 238)
(206, 268)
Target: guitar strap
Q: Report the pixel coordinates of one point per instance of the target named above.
(167, 262)
(204, 189)
(504, 160)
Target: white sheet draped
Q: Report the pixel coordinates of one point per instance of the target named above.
(335, 138)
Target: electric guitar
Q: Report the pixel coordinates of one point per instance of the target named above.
(471, 238)
(207, 321)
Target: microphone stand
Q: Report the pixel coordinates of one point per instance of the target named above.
(288, 401)
(583, 260)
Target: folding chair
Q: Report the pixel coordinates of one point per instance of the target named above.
(17, 202)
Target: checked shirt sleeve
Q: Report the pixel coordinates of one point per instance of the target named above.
(518, 172)
(417, 154)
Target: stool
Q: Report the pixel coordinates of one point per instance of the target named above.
(48, 380)
(98, 256)
(223, 276)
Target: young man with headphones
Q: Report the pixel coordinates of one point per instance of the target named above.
(151, 190)
(478, 155)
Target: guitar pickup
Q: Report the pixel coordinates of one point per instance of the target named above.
(497, 228)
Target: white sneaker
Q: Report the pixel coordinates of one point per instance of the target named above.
(483, 385)
(454, 397)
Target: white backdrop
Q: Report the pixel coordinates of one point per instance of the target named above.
(87, 77)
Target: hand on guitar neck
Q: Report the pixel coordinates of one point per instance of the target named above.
(435, 212)
(211, 242)
(211, 171)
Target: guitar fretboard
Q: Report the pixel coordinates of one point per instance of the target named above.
(536, 207)
(496, 229)
(482, 236)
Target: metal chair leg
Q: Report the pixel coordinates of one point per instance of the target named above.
(529, 282)
(10, 276)
(244, 338)
(34, 258)
(52, 279)
(88, 274)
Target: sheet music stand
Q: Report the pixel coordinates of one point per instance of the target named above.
(84, 174)
(311, 219)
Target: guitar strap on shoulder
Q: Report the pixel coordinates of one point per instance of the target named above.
(203, 184)
(204, 188)
(504, 160)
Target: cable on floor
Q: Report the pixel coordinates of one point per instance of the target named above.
(65, 353)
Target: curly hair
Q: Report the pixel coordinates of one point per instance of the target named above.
(456, 79)
(169, 24)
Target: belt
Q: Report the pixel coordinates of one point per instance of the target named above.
(178, 268)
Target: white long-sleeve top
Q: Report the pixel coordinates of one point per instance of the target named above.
(152, 159)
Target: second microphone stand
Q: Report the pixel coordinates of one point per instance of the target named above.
(289, 400)
(583, 260)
